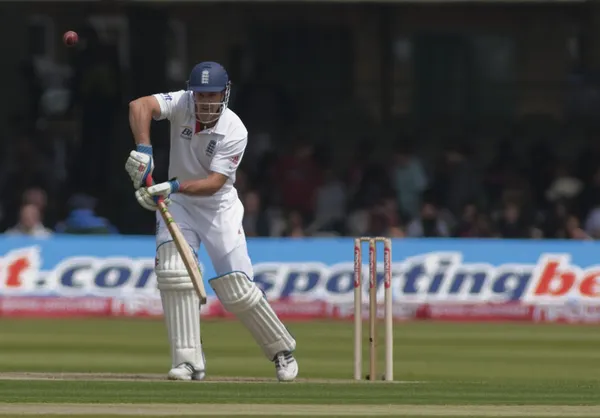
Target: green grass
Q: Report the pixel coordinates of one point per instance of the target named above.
(442, 363)
(439, 393)
(277, 416)
(423, 351)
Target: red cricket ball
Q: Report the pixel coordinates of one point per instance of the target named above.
(70, 38)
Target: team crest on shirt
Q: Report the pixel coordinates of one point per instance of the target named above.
(186, 132)
(210, 148)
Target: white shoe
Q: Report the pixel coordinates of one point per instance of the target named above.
(186, 371)
(286, 366)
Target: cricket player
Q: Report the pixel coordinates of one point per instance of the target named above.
(207, 145)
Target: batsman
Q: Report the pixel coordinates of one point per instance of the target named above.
(208, 141)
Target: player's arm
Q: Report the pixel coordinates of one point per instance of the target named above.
(158, 107)
(141, 112)
(203, 187)
(140, 163)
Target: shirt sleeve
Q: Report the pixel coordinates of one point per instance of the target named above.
(170, 103)
(230, 153)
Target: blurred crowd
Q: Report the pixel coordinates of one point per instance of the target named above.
(298, 194)
(61, 171)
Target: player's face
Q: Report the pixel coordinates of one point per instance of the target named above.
(208, 106)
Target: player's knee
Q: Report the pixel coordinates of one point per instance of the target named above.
(171, 273)
(235, 260)
(236, 291)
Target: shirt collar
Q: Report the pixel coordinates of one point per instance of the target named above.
(219, 128)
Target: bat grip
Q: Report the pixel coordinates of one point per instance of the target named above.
(150, 182)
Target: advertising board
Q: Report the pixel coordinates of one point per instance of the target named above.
(313, 277)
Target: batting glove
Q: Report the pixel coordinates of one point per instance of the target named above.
(148, 197)
(140, 165)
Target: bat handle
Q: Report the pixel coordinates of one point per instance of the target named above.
(150, 182)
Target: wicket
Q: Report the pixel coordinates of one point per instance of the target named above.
(358, 288)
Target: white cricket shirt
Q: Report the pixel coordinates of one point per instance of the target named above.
(196, 153)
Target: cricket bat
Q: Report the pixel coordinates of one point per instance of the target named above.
(186, 253)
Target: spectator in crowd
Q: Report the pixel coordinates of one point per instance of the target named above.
(592, 222)
(298, 176)
(330, 207)
(30, 223)
(590, 205)
(396, 232)
(540, 170)
(256, 221)
(383, 219)
(428, 224)
(295, 225)
(573, 229)
(512, 223)
(409, 180)
(564, 186)
(392, 214)
(23, 167)
(457, 180)
(36, 196)
(467, 225)
(554, 219)
(502, 168)
(357, 222)
(378, 223)
(586, 162)
(82, 218)
(483, 227)
(358, 166)
(367, 179)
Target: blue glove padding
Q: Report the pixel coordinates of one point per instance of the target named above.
(140, 165)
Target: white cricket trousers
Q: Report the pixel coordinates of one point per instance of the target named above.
(220, 230)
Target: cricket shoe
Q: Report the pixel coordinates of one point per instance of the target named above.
(286, 366)
(186, 371)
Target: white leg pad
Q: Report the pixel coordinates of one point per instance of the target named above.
(240, 296)
(181, 307)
